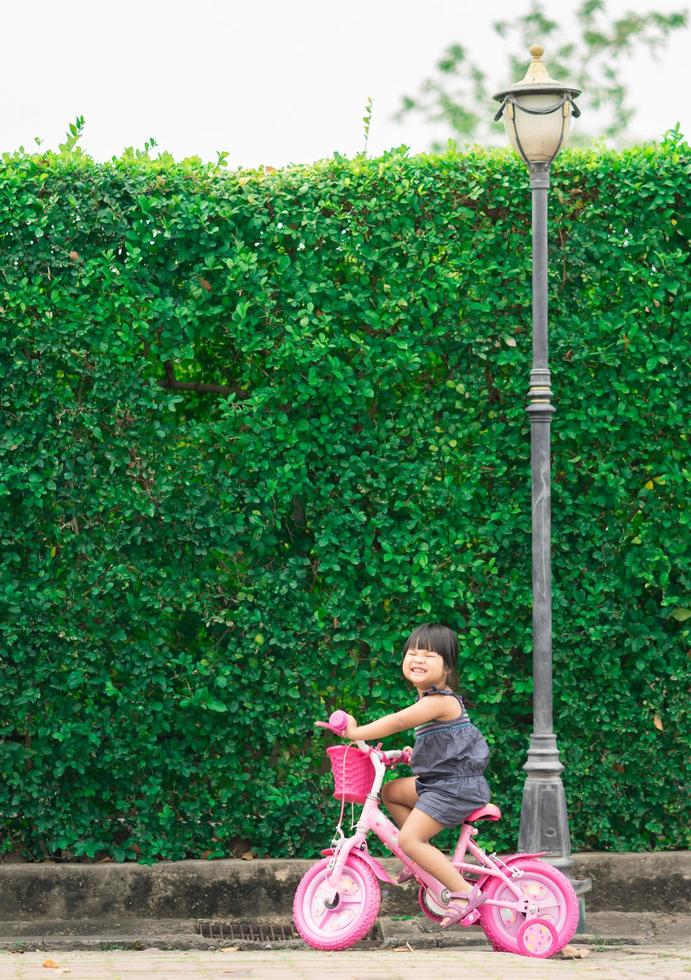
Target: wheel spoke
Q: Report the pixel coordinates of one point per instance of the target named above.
(327, 916)
(323, 915)
(554, 904)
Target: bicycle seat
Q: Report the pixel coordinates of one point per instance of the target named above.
(489, 812)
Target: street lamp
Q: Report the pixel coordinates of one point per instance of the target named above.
(537, 114)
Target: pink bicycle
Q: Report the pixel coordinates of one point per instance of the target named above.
(530, 907)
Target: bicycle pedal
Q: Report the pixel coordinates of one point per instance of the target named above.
(471, 919)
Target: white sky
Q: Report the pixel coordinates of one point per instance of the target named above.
(270, 81)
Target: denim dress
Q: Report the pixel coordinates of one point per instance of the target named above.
(449, 759)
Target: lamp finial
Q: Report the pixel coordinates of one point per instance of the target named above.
(537, 70)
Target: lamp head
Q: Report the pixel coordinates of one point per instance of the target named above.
(537, 111)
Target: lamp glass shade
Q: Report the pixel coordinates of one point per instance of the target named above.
(540, 136)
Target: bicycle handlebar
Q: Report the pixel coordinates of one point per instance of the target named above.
(337, 723)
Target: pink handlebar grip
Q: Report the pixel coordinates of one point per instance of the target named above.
(337, 722)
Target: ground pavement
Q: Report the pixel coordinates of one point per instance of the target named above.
(635, 962)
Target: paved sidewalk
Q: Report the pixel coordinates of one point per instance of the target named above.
(661, 963)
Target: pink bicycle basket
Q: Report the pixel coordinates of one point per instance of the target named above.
(353, 773)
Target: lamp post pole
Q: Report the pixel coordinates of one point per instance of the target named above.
(544, 822)
(537, 114)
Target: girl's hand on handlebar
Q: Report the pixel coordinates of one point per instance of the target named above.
(350, 729)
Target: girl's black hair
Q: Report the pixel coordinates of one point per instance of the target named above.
(440, 639)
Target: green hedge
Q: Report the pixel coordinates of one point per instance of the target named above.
(190, 577)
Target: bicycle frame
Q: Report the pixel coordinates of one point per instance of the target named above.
(372, 819)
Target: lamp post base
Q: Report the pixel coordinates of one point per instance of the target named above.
(544, 823)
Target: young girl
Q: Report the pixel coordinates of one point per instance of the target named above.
(448, 760)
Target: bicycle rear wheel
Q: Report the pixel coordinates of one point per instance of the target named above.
(549, 889)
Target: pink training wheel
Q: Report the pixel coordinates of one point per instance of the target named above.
(537, 937)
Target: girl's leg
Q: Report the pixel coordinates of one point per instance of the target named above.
(400, 797)
(414, 839)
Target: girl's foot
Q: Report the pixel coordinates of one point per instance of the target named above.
(457, 911)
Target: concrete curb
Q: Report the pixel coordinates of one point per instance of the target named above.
(230, 889)
(657, 881)
(607, 930)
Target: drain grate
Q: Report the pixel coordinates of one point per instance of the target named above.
(256, 932)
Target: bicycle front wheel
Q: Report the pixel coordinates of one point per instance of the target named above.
(352, 914)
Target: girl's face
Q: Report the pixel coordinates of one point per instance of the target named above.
(424, 668)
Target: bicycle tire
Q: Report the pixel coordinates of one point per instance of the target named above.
(352, 917)
(501, 926)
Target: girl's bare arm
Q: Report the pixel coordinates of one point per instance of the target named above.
(427, 709)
